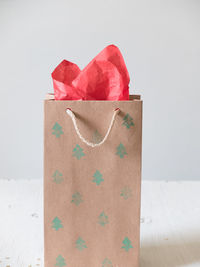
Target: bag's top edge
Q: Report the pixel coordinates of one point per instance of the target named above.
(50, 96)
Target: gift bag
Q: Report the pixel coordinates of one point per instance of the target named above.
(92, 179)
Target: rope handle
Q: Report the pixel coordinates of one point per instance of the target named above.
(73, 117)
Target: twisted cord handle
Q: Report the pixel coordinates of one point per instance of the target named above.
(73, 117)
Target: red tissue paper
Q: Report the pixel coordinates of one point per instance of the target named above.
(104, 78)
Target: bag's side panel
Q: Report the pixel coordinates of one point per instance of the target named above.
(92, 195)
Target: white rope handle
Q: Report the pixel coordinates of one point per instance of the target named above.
(73, 117)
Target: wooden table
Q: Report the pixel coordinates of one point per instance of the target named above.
(170, 224)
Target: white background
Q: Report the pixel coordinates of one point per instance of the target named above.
(160, 41)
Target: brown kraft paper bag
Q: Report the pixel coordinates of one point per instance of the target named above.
(92, 194)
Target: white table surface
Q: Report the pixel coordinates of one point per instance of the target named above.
(170, 224)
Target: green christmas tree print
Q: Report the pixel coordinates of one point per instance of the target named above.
(60, 261)
(57, 177)
(127, 244)
(78, 152)
(56, 224)
(121, 151)
(77, 198)
(80, 244)
(128, 121)
(98, 178)
(103, 219)
(57, 130)
(126, 192)
(106, 263)
(97, 138)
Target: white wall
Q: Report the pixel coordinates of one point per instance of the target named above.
(160, 41)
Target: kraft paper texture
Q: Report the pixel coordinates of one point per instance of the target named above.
(92, 195)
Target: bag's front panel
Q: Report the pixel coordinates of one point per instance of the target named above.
(92, 195)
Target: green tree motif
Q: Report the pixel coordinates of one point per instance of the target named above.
(96, 138)
(127, 244)
(126, 192)
(98, 178)
(77, 198)
(57, 224)
(128, 121)
(121, 151)
(78, 152)
(60, 261)
(57, 130)
(106, 263)
(80, 244)
(57, 177)
(103, 219)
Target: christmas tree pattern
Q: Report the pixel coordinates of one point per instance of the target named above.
(121, 151)
(128, 121)
(56, 224)
(103, 219)
(60, 261)
(77, 198)
(126, 192)
(98, 178)
(80, 244)
(127, 244)
(78, 152)
(96, 138)
(106, 263)
(57, 177)
(57, 130)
